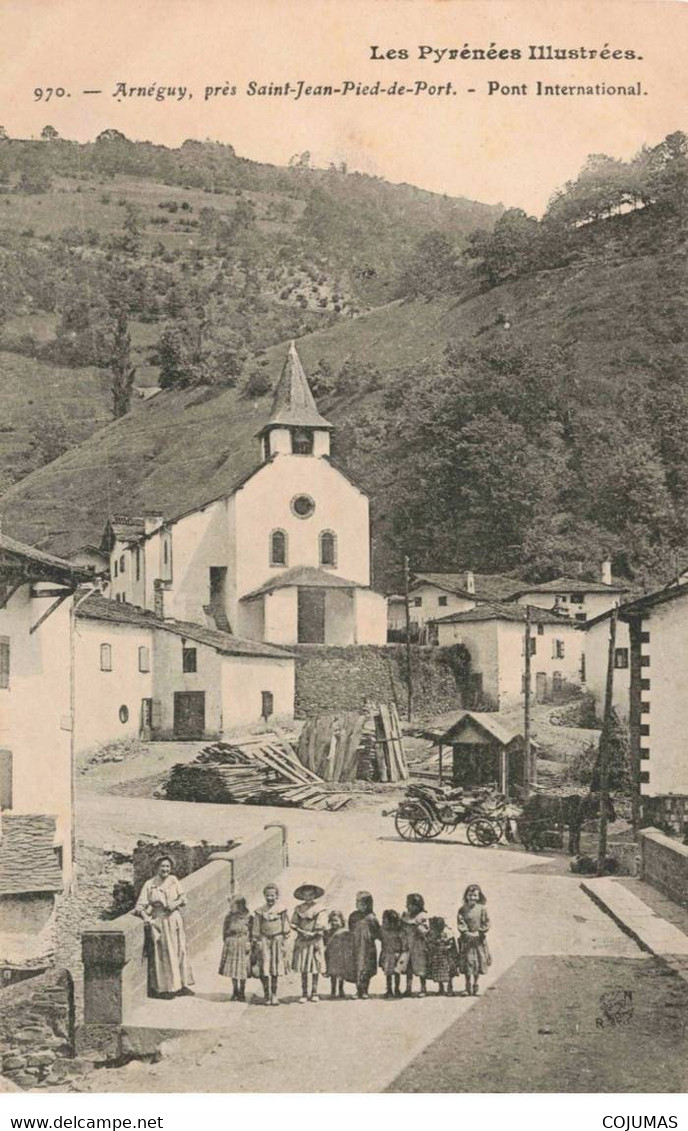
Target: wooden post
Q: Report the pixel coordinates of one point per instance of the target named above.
(604, 745)
(441, 761)
(409, 662)
(529, 770)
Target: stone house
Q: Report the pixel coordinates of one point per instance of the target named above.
(580, 600)
(494, 635)
(282, 557)
(138, 676)
(433, 595)
(596, 655)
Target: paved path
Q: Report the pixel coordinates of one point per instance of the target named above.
(537, 909)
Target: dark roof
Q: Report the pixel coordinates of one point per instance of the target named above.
(515, 613)
(17, 557)
(488, 721)
(293, 402)
(27, 854)
(119, 612)
(303, 575)
(488, 586)
(568, 585)
(643, 604)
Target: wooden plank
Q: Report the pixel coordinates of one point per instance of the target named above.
(388, 747)
(297, 766)
(380, 749)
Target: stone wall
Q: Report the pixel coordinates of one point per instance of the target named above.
(115, 969)
(664, 864)
(345, 679)
(188, 856)
(37, 1029)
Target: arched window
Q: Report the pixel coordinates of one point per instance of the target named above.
(328, 548)
(278, 548)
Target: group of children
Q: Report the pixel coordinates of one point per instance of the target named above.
(412, 944)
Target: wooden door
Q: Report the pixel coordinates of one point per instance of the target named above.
(311, 616)
(189, 714)
(541, 687)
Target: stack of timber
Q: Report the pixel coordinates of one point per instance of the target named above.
(261, 771)
(350, 746)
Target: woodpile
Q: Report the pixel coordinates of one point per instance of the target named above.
(350, 746)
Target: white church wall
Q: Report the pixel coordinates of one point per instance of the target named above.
(340, 616)
(371, 617)
(281, 616)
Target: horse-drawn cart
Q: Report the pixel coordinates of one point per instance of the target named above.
(426, 811)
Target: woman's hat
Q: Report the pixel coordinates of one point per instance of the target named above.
(309, 892)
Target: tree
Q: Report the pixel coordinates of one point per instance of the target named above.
(432, 268)
(35, 176)
(49, 133)
(121, 370)
(51, 438)
(509, 250)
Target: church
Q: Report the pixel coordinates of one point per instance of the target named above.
(282, 558)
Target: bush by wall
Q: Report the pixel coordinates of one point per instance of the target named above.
(345, 679)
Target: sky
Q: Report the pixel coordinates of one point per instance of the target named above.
(515, 148)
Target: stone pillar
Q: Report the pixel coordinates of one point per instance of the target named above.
(104, 956)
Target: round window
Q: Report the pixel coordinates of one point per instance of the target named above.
(124, 714)
(302, 506)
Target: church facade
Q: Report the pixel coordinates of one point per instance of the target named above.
(282, 558)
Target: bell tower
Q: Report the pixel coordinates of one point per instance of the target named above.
(295, 427)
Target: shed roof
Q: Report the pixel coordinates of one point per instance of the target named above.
(27, 854)
(306, 576)
(512, 613)
(488, 721)
(17, 557)
(119, 612)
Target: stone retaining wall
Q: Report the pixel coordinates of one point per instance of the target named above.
(332, 679)
(37, 1029)
(664, 864)
(115, 968)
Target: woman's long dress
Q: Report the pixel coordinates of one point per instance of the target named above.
(364, 929)
(236, 949)
(415, 929)
(308, 956)
(474, 954)
(169, 969)
(269, 932)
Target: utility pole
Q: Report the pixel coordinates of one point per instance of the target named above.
(409, 661)
(604, 746)
(529, 770)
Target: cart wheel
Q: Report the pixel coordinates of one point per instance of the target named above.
(412, 828)
(481, 833)
(436, 827)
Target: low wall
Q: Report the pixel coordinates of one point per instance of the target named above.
(346, 679)
(664, 864)
(115, 968)
(37, 1028)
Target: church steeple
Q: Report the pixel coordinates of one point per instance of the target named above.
(295, 426)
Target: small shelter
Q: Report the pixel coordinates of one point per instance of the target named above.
(484, 749)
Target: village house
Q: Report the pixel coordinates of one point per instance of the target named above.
(572, 597)
(494, 635)
(283, 557)
(36, 748)
(433, 595)
(658, 715)
(596, 655)
(140, 677)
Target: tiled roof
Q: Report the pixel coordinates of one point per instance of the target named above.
(488, 586)
(119, 612)
(293, 403)
(568, 585)
(489, 721)
(303, 575)
(660, 597)
(515, 613)
(57, 569)
(27, 854)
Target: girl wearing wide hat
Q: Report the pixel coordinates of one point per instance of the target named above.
(308, 957)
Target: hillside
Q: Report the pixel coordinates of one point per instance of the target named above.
(186, 446)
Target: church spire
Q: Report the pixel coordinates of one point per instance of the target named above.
(293, 405)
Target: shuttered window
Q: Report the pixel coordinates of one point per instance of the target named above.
(4, 661)
(106, 657)
(144, 658)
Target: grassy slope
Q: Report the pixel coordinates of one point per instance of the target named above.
(184, 447)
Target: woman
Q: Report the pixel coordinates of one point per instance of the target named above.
(269, 931)
(169, 969)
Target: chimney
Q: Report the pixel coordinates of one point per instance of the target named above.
(151, 522)
(607, 571)
(470, 581)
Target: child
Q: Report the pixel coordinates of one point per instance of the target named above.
(309, 955)
(473, 923)
(442, 957)
(236, 948)
(269, 934)
(391, 951)
(365, 929)
(415, 926)
(338, 954)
